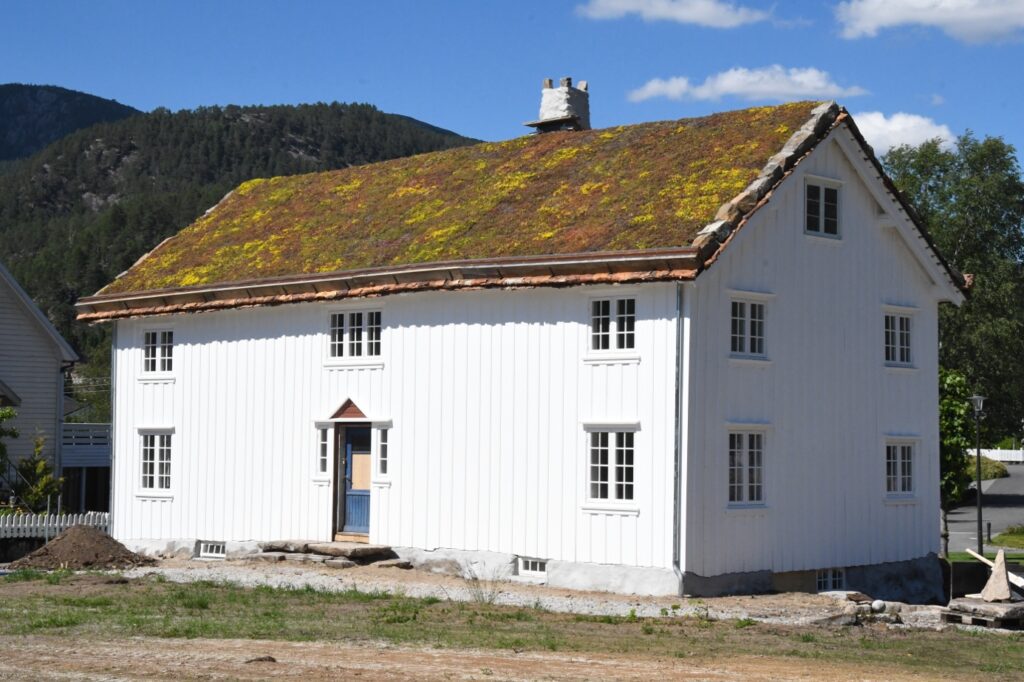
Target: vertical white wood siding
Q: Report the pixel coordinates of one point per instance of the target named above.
(30, 365)
(826, 397)
(486, 394)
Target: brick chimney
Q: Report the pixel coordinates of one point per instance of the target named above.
(563, 108)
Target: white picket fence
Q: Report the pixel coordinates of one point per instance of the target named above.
(49, 525)
(1008, 456)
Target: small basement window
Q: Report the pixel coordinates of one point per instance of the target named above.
(830, 579)
(212, 549)
(532, 568)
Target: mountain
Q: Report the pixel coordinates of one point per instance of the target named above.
(33, 116)
(85, 208)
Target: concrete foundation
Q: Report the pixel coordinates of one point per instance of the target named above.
(185, 548)
(568, 574)
(915, 581)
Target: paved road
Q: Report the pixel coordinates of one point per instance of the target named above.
(1003, 505)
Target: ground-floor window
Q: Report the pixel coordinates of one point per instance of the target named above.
(746, 467)
(156, 461)
(899, 468)
(611, 465)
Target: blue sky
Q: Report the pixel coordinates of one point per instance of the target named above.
(907, 69)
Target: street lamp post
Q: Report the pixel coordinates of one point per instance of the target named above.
(978, 401)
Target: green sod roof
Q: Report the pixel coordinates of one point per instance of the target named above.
(646, 186)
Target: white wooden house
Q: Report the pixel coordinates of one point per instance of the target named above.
(33, 359)
(635, 359)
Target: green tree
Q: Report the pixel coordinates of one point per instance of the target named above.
(955, 431)
(971, 200)
(36, 482)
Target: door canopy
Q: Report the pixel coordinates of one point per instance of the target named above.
(348, 410)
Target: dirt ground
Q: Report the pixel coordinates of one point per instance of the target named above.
(60, 658)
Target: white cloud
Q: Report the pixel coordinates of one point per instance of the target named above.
(885, 132)
(967, 20)
(768, 83)
(711, 13)
(937, 100)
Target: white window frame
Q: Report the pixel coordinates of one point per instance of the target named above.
(172, 462)
(384, 461)
(742, 328)
(615, 441)
(616, 335)
(899, 314)
(739, 492)
(362, 346)
(531, 569)
(322, 456)
(822, 184)
(830, 579)
(900, 479)
(165, 358)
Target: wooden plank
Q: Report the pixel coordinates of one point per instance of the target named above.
(1015, 579)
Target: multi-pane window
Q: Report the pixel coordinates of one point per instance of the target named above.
(831, 579)
(382, 458)
(897, 339)
(158, 351)
(156, 461)
(611, 465)
(822, 210)
(746, 334)
(746, 468)
(355, 334)
(613, 324)
(899, 468)
(323, 450)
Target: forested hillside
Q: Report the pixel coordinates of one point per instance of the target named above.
(85, 208)
(33, 116)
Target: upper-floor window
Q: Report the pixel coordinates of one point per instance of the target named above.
(158, 351)
(746, 467)
(355, 334)
(897, 339)
(613, 324)
(746, 335)
(821, 210)
(156, 461)
(899, 468)
(611, 465)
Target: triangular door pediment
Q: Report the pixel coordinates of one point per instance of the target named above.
(348, 410)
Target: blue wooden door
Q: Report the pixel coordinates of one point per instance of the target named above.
(357, 475)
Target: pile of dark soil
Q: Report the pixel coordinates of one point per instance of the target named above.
(82, 547)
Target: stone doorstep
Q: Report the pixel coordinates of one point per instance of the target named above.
(351, 550)
(305, 558)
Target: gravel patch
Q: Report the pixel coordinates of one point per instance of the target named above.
(783, 609)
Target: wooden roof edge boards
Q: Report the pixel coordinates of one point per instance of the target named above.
(581, 269)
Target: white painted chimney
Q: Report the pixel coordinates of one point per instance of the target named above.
(563, 108)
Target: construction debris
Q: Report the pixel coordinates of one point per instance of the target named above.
(998, 586)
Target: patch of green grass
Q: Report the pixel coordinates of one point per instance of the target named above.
(88, 606)
(1011, 537)
(55, 577)
(956, 557)
(24, 575)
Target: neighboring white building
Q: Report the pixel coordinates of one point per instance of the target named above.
(33, 359)
(634, 402)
